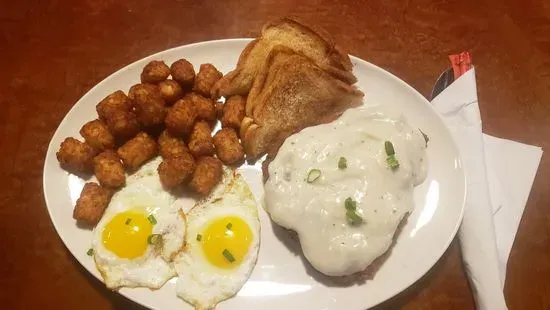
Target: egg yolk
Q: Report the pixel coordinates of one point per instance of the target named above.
(126, 234)
(225, 241)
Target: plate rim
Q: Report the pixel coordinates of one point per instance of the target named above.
(354, 59)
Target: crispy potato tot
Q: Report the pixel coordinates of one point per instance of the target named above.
(183, 73)
(170, 146)
(97, 135)
(208, 173)
(228, 147)
(109, 170)
(154, 72)
(201, 142)
(233, 112)
(206, 78)
(173, 171)
(93, 201)
(143, 91)
(170, 91)
(148, 103)
(137, 151)
(181, 118)
(206, 109)
(122, 124)
(75, 156)
(115, 102)
(151, 112)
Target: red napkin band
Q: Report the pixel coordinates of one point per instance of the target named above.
(461, 63)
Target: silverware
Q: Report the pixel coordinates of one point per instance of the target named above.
(443, 81)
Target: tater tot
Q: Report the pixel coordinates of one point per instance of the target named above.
(97, 135)
(206, 109)
(170, 91)
(122, 124)
(228, 147)
(174, 171)
(233, 112)
(206, 78)
(170, 146)
(183, 73)
(148, 103)
(143, 91)
(117, 101)
(137, 151)
(201, 142)
(109, 170)
(93, 201)
(75, 156)
(181, 118)
(150, 112)
(154, 72)
(208, 172)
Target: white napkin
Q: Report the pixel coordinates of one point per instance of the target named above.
(497, 190)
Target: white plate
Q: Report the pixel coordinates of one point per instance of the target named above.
(282, 279)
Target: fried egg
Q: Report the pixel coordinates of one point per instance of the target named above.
(223, 239)
(140, 233)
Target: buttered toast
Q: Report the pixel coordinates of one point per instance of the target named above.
(295, 35)
(290, 93)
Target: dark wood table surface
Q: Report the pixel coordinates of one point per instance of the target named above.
(52, 52)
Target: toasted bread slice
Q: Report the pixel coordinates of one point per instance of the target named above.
(289, 94)
(313, 43)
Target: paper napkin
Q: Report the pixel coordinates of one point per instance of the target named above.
(497, 190)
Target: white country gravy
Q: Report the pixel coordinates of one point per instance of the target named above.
(316, 210)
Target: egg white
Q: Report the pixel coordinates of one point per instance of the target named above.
(200, 283)
(142, 192)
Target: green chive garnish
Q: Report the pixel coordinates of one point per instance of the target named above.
(350, 204)
(353, 218)
(154, 239)
(152, 219)
(90, 252)
(425, 137)
(229, 225)
(351, 212)
(342, 163)
(392, 162)
(128, 221)
(199, 237)
(228, 256)
(389, 148)
(313, 175)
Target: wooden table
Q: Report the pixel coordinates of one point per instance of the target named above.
(53, 52)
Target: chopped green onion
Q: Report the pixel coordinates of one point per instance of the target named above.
(425, 137)
(199, 237)
(351, 213)
(353, 217)
(392, 162)
(90, 252)
(154, 239)
(313, 175)
(342, 163)
(229, 225)
(228, 256)
(389, 148)
(350, 204)
(152, 219)
(128, 221)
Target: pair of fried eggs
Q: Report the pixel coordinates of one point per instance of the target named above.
(144, 239)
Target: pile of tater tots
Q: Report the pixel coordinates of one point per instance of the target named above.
(171, 117)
